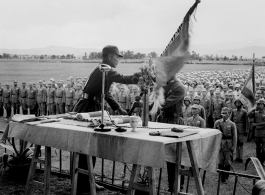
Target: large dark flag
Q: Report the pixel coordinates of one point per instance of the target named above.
(248, 89)
(171, 60)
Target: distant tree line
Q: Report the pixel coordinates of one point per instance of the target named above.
(126, 55)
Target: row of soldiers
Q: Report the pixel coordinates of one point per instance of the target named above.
(54, 98)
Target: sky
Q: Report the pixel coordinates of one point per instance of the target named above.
(126, 23)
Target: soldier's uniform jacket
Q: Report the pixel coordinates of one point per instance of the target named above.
(131, 99)
(196, 121)
(123, 100)
(7, 96)
(174, 93)
(206, 103)
(32, 97)
(202, 112)
(217, 106)
(94, 89)
(1, 95)
(23, 95)
(60, 96)
(51, 95)
(229, 132)
(41, 95)
(78, 95)
(69, 96)
(259, 118)
(239, 117)
(186, 113)
(15, 93)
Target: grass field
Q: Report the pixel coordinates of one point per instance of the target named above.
(34, 71)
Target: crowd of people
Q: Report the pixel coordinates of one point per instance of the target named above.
(212, 99)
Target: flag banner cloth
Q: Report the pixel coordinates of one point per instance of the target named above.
(248, 91)
(171, 60)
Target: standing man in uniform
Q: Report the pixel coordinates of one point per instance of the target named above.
(228, 144)
(217, 106)
(196, 120)
(206, 103)
(78, 93)
(171, 112)
(32, 99)
(69, 97)
(239, 117)
(197, 100)
(91, 101)
(259, 124)
(7, 101)
(41, 99)
(23, 98)
(1, 101)
(60, 98)
(50, 99)
(15, 94)
(186, 109)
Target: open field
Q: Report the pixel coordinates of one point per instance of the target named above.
(34, 71)
(45, 70)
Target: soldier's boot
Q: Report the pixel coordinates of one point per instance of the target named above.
(221, 167)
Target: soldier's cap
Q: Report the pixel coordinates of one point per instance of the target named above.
(237, 85)
(187, 98)
(7, 84)
(238, 99)
(52, 79)
(196, 97)
(86, 78)
(225, 110)
(258, 91)
(30, 83)
(195, 106)
(111, 49)
(78, 85)
(261, 101)
(262, 87)
(15, 81)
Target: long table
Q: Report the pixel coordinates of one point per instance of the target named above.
(138, 148)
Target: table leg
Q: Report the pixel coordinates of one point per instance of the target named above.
(47, 170)
(195, 169)
(131, 190)
(177, 169)
(151, 180)
(74, 173)
(92, 184)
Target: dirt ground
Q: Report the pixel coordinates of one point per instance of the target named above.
(12, 185)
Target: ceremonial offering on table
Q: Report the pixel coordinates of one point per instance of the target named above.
(134, 122)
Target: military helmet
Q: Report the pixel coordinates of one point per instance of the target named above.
(187, 98)
(196, 97)
(261, 101)
(240, 100)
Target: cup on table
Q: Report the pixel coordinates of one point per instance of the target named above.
(134, 122)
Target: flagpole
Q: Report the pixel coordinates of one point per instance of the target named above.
(253, 76)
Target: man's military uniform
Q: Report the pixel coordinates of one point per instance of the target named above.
(230, 104)
(7, 102)
(15, 94)
(186, 110)
(78, 95)
(239, 117)
(23, 100)
(196, 120)
(1, 101)
(174, 93)
(217, 106)
(69, 98)
(51, 100)
(228, 144)
(206, 103)
(59, 100)
(259, 123)
(123, 100)
(32, 100)
(201, 108)
(41, 99)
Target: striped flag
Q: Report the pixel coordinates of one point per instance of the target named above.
(249, 89)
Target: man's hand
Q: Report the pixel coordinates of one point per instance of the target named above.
(122, 112)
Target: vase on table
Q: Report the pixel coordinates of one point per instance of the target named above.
(145, 114)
